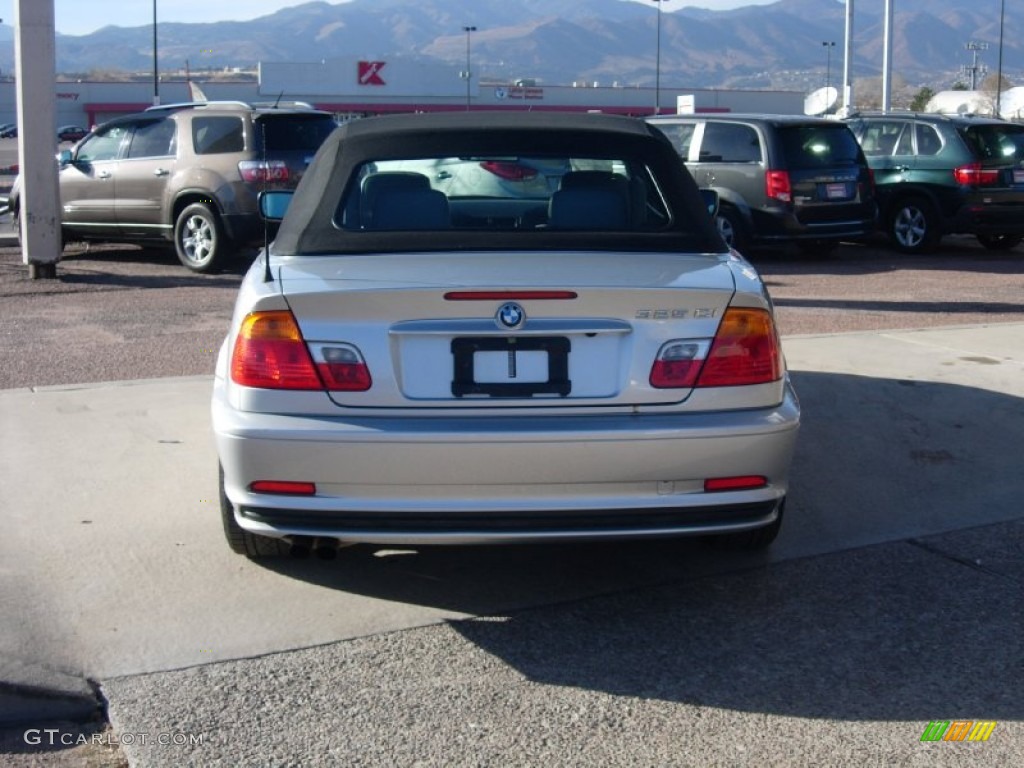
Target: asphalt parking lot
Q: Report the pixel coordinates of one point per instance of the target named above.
(892, 598)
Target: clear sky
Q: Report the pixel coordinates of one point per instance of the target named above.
(79, 17)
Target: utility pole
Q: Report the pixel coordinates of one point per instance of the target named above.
(468, 74)
(39, 212)
(975, 68)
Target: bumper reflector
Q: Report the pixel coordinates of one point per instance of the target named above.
(738, 483)
(285, 487)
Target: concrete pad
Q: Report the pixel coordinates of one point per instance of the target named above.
(114, 561)
(839, 660)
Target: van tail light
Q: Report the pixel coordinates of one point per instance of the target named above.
(269, 353)
(262, 171)
(509, 171)
(973, 175)
(745, 351)
(777, 186)
(735, 483)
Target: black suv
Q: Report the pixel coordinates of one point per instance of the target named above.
(946, 174)
(187, 174)
(780, 178)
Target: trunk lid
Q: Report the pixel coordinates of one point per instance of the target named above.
(500, 330)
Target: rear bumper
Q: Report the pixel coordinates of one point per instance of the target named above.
(992, 218)
(461, 480)
(785, 226)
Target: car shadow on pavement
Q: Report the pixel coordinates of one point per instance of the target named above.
(826, 625)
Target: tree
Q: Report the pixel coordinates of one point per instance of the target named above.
(921, 99)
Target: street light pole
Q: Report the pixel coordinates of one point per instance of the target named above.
(156, 70)
(469, 72)
(999, 67)
(657, 63)
(829, 45)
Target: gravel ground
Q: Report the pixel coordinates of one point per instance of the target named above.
(120, 312)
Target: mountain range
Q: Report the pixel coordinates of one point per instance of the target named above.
(563, 41)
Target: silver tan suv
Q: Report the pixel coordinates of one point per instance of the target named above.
(187, 174)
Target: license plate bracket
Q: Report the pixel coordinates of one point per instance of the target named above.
(556, 347)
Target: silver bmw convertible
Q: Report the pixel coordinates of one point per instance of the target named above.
(567, 358)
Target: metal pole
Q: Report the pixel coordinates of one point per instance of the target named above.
(469, 71)
(887, 59)
(999, 67)
(156, 70)
(848, 56)
(829, 45)
(657, 63)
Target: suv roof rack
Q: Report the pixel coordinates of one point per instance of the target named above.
(279, 104)
(193, 104)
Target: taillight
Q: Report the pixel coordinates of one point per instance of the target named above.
(509, 171)
(261, 171)
(342, 368)
(745, 351)
(777, 186)
(678, 363)
(973, 175)
(269, 353)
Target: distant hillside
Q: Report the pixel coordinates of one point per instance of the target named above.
(561, 41)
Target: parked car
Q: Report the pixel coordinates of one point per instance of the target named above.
(9, 131)
(782, 178)
(185, 174)
(945, 174)
(71, 133)
(407, 366)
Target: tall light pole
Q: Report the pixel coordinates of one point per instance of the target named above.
(657, 63)
(156, 70)
(999, 67)
(469, 72)
(829, 45)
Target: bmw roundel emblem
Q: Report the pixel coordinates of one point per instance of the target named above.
(510, 315)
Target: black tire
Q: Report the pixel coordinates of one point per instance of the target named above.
(913, 225)
(732, 228)
(751, 541)
(1000, 242)
(199, 239)
(241, 541)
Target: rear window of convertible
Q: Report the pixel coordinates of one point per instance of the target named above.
(504, 193)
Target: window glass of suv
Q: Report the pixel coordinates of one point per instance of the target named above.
(680, 134)
(928, 140)
(214, 135)
(154, 139)
(104, 144)
(729, 143)
(817, 146)
(1003, 143)
(881, 136)
(291, 132)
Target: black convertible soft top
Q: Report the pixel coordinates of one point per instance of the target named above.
(309, 226)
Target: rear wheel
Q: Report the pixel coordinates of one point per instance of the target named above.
(199, 239)
(913, 225)
(731, 227)
(1000, 242)
(241, 541)
(753, 540)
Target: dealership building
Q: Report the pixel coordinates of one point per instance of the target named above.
(351, 87)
